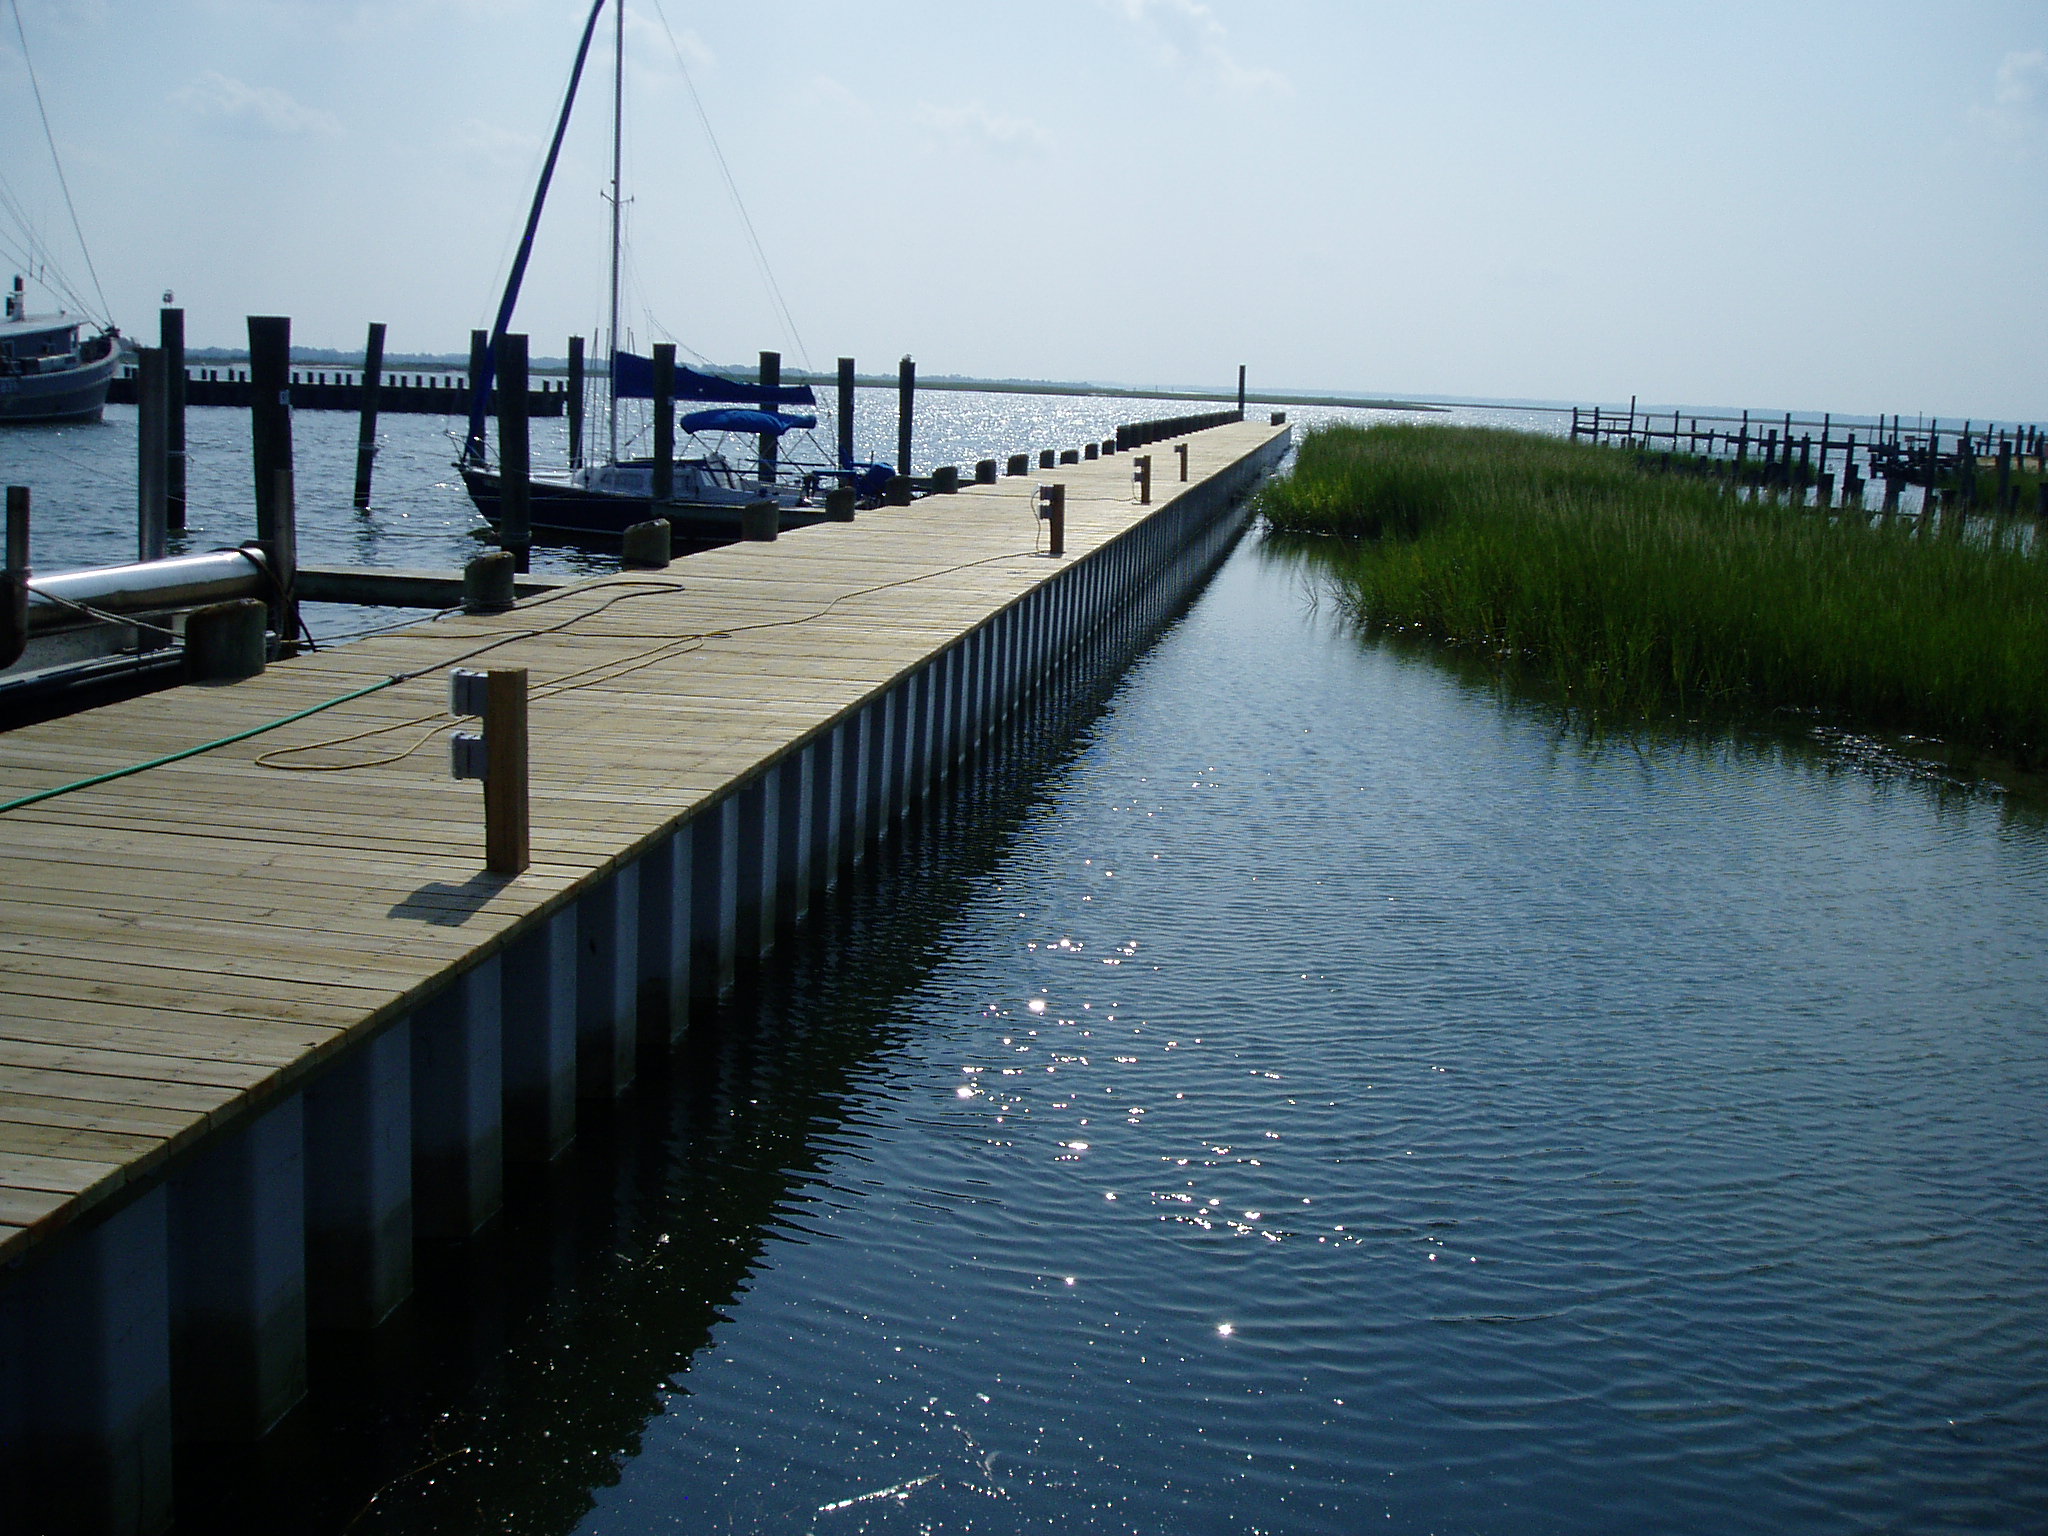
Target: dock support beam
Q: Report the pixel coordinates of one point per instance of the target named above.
(540, 1041)
(359, 1184)
(238, 1280)
(171, 337)
(366, 435)
(515, 463)
(607, 985)
(664, 482)
(458, 1091)
(845, 413)
(662, 957)
(906, 412)
(152, 449)
(91, 1336)
(575, 402)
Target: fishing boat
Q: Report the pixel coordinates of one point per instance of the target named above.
(710, 486)
(46, 372)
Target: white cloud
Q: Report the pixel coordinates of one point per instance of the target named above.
(2022, 82)
(494, 145)
(971, 123)
(2019, 97)
(256, 109)
(1185, 34)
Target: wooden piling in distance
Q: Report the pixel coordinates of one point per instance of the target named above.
(515, 463)
(151, 392)
(769, 445)
(575, 402)
(664, 421)
(906, 411)
(366, 435)
(479, 360)
(845, 422)
(1240, 391)
(171, 337)
(270, 418)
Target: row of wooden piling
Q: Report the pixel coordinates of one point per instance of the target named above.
(1777, 455)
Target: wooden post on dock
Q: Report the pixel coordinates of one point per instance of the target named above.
(1052, 506)
(507, 813)
(281, 545)
(515, 479)
(664, 421)
(151, 443)
(479, 357)
(14, 573)
(366, 434)
(270, 420)
(769, 445)
(906, 411)
(171, 336)
(846, 413)
(575, 402)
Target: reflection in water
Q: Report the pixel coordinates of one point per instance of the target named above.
(1326, 1095)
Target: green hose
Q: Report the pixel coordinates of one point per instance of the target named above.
(172, 757)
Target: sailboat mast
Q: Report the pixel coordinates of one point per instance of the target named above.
(618, 120)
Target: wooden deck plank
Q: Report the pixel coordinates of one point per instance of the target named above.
(177, 944)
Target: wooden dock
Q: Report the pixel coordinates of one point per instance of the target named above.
(265, 1021)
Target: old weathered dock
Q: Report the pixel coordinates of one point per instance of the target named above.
(265, 1022)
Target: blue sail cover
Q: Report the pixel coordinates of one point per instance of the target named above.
(727, 419)
(633, 379)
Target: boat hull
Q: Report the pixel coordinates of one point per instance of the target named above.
(580, 513)
(71, 394)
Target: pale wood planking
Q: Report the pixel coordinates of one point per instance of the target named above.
(181, 943)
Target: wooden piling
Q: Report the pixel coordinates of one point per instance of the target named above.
(576, 402)
(366, 435)
(270, 418)
(171, 337)
(479, 361)
(664, 421)
(151, 445)
(515, 462)
(906, 409)
(281, 544)
(845, 422)
(1240, 391)
(769, 445)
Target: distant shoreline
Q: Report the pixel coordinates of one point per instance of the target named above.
(325, 357)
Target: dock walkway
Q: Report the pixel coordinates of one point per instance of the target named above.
(264, 1003)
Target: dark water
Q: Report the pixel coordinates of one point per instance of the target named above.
(1322, 1099)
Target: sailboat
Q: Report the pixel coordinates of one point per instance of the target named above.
(708, 489)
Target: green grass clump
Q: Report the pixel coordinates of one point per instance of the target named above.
(1635, 594)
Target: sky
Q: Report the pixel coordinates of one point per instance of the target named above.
(1802, 204)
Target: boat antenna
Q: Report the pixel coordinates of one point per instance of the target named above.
(479, 406)
(51, 139)
(618, 134)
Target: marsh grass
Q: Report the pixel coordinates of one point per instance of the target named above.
(1630, 594)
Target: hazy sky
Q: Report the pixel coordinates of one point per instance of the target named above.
(1826, 205)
